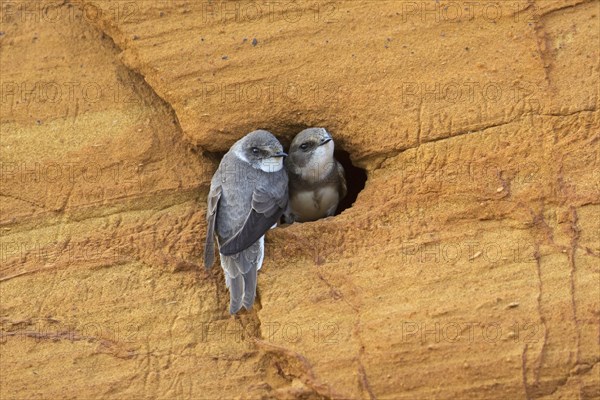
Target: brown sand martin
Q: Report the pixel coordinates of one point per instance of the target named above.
(317, 182)
(248, 194)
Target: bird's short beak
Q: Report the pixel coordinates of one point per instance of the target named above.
(280, 154)
(326, 140)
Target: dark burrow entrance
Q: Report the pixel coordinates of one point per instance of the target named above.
(356, 178)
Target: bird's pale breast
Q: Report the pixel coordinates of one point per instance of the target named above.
(311, 205)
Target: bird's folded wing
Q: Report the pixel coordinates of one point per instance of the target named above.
(211, 215)
(342, 186)
(266, 210)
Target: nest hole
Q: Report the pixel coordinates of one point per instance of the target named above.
(356, 178)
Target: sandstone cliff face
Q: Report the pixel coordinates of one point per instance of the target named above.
(468, 266)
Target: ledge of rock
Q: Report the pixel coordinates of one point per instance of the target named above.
(468, 266)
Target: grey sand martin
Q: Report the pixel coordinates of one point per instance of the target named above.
(248, 194)
(317, 181)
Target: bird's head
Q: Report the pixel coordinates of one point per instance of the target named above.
(261, 150)
(311, 147)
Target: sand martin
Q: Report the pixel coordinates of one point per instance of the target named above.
(248, 194)
(317, 182)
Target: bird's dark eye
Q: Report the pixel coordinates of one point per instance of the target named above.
(255, 150)
(304, 146)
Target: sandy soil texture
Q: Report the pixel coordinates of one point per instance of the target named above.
(468, 266)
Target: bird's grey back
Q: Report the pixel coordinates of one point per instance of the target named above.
(236, 202)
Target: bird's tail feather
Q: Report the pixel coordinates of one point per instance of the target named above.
(209, 253)
(236, 293)
(249, 288)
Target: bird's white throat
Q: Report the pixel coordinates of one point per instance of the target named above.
(271, 164)
(320, 164)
